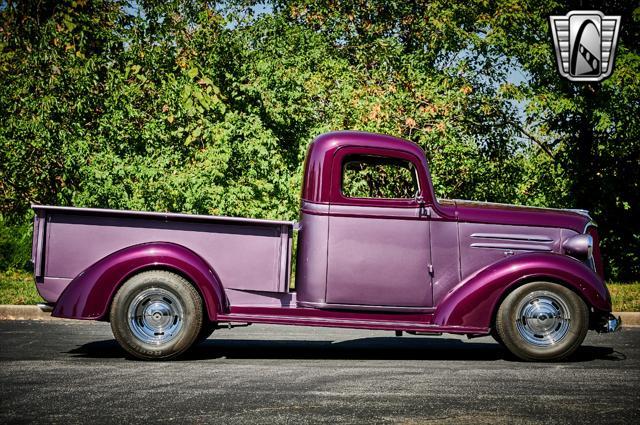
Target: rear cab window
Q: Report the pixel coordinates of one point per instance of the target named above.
(374, 177)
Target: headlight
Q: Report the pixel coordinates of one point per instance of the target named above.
(579, 246)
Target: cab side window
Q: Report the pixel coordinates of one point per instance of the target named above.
(365, 176)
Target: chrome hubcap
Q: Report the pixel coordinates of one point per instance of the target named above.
(155, 316)
(543, 319)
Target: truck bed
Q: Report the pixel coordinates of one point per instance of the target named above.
(251, 256)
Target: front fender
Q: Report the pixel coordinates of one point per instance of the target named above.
(474, 301)
(89, 294)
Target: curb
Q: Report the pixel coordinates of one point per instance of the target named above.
(24, 312)
(631, 319)
(32, 312)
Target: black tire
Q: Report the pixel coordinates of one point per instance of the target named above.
(542, 321)
(496, 337)
(156, 315)
(205, 332)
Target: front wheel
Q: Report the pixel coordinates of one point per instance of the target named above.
(156, 315)
(542, 321)
(206, 331)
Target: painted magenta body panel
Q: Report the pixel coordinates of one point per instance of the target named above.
(311, 267)
(515, 215)
(484, 244)
(247, 255)
(89, 295)
(474, 300)
(378, 261)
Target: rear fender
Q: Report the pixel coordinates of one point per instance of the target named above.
(88, 295)
(475, 300)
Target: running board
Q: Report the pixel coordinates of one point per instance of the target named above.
(354, 320)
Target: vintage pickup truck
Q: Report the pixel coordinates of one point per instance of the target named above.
(375, 250)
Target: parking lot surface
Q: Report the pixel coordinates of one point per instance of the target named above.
(75, 372)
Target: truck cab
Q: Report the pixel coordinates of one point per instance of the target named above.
(365, 221)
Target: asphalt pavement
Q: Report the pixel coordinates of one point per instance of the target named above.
(75, 372)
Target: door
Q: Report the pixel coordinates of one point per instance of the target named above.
(379, 248)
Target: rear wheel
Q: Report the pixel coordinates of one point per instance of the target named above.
(542, 321)
(494, 334)
(156, 315)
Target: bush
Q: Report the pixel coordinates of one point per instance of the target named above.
(15, 245)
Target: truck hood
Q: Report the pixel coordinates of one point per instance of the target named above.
(493, 213)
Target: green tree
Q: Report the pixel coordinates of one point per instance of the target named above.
(591, 131)
(207, 107)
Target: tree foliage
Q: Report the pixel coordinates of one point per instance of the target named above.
(207, 107)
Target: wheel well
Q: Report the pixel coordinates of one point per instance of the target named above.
(530, 279)
(151, 267)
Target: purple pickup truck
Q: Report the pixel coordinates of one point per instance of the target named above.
(375, 250)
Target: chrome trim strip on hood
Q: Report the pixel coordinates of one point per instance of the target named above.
(513, 237)
(519, 247)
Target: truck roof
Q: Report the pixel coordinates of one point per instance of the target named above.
(317, 176)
